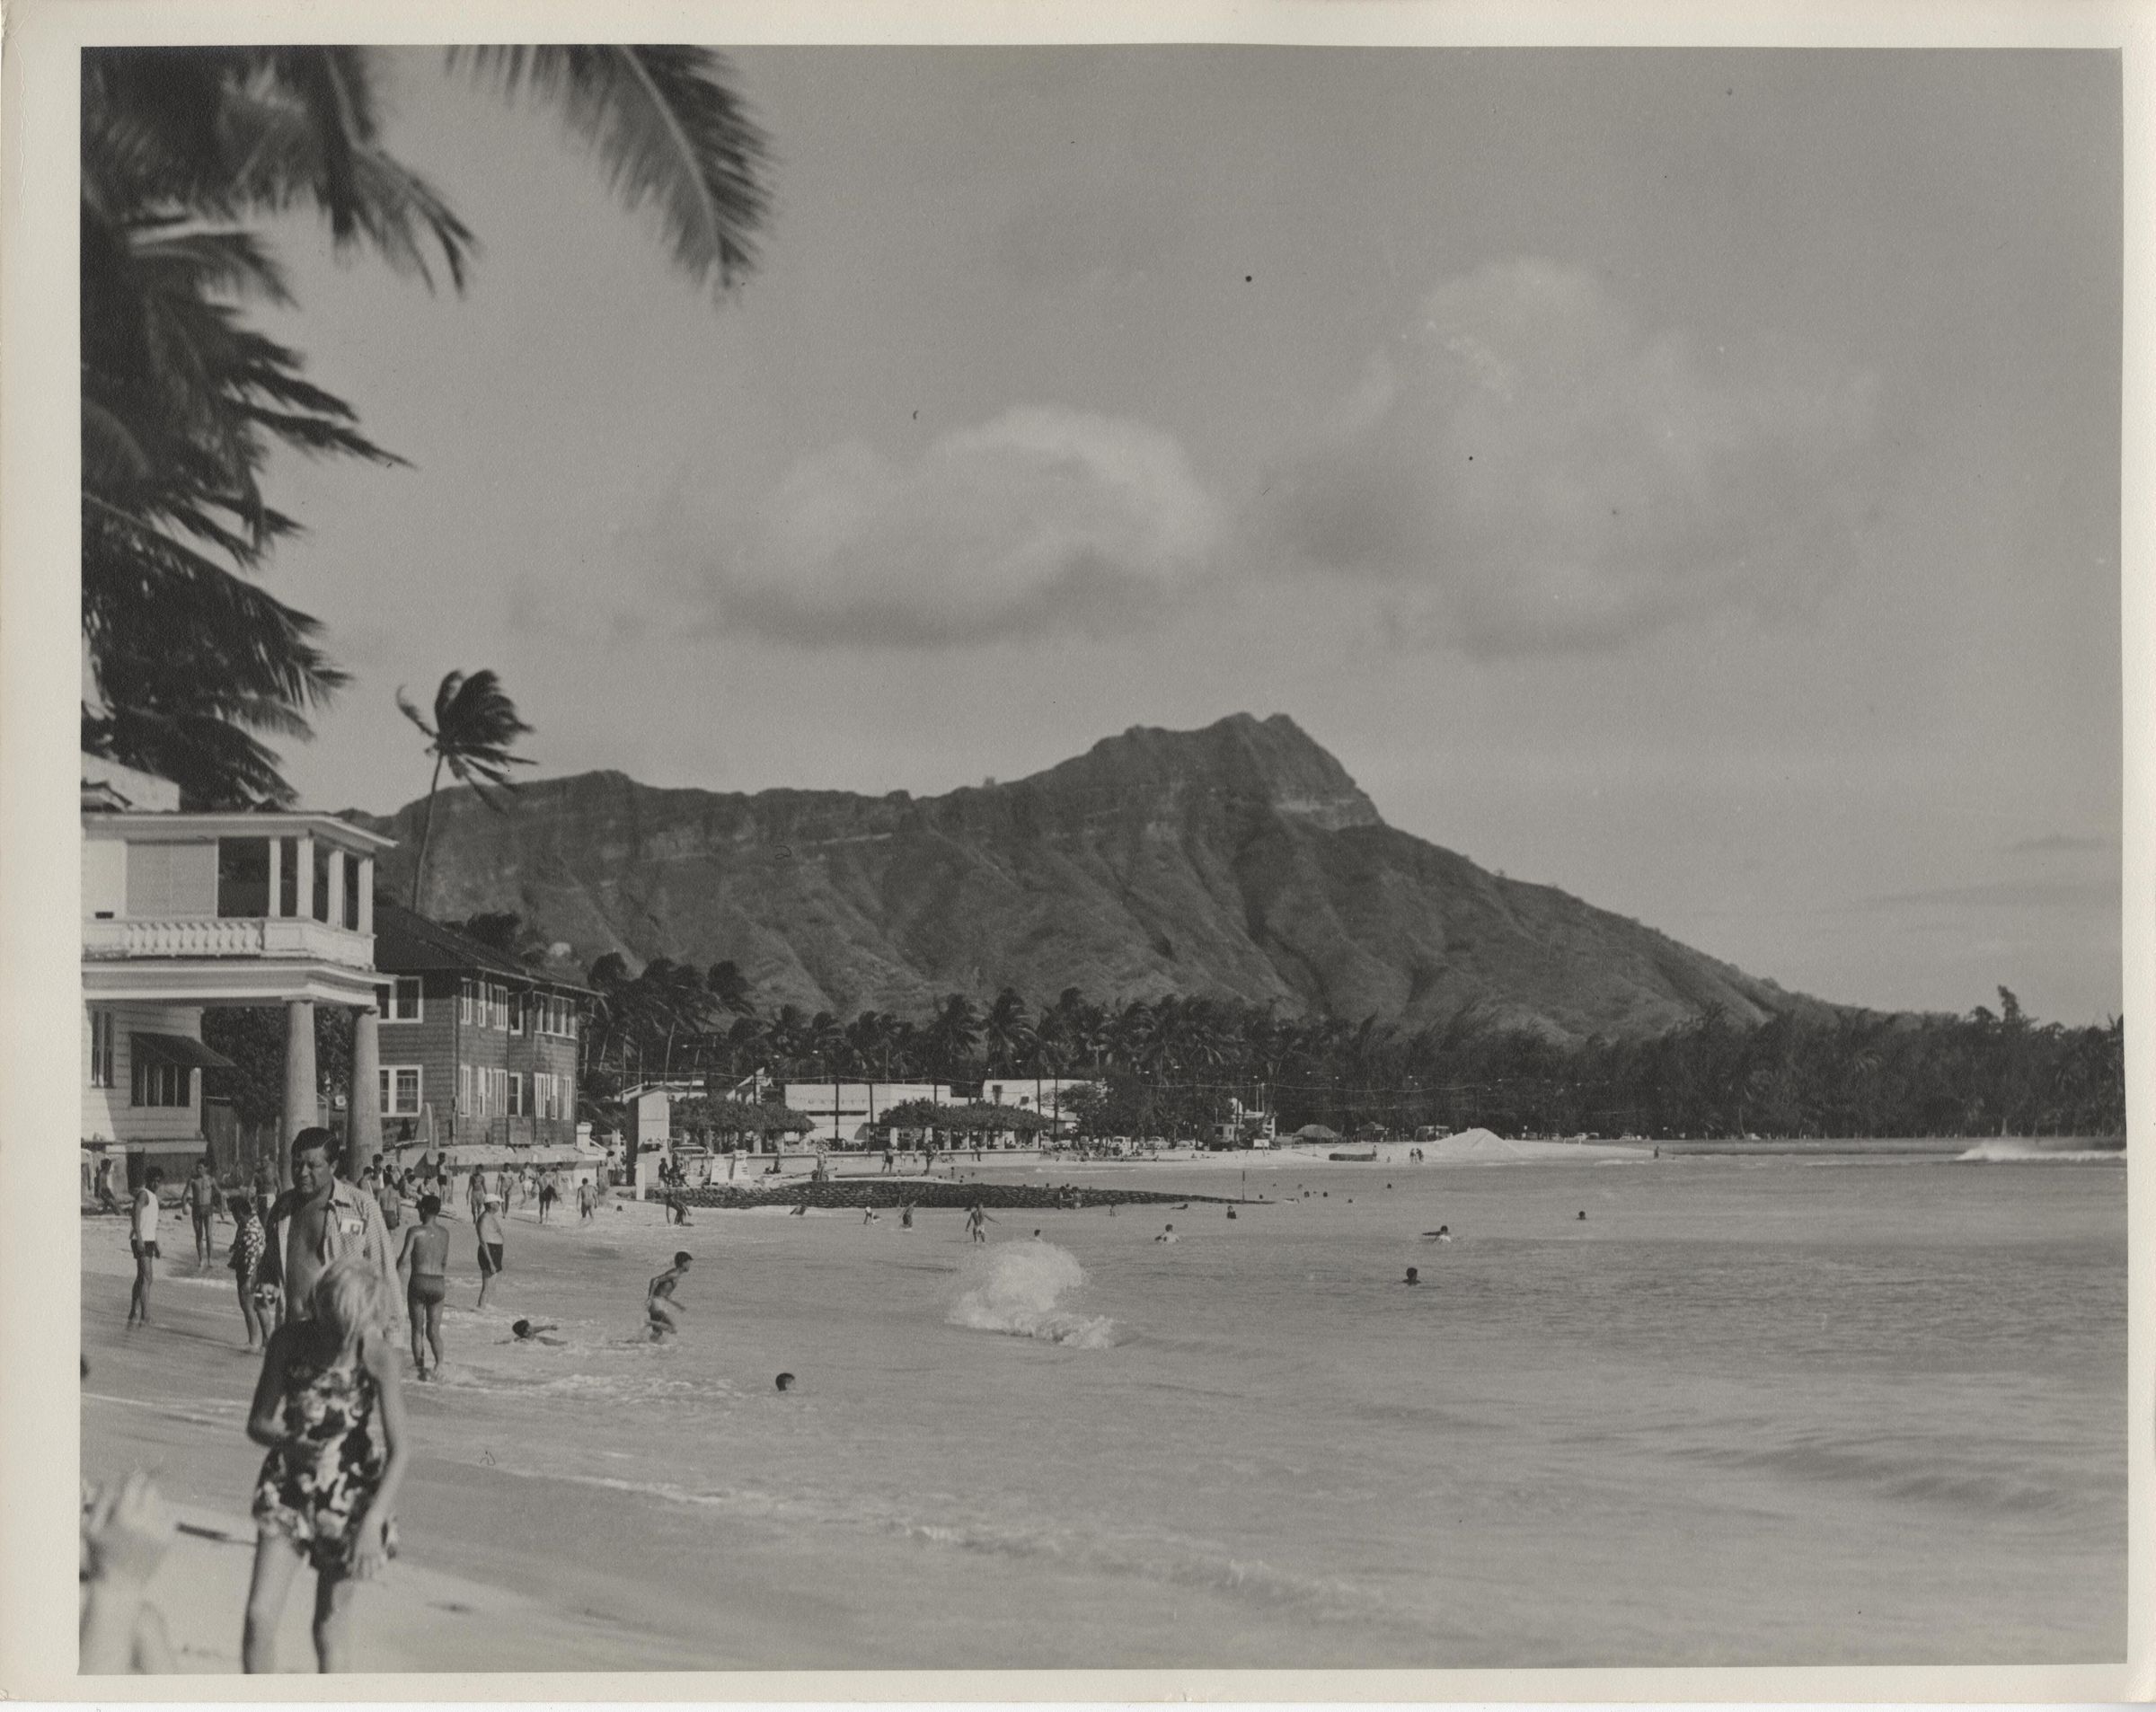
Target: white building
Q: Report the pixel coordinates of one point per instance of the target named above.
(184, 912)
(847, 1113)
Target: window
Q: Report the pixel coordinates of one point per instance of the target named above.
(554, 1015)
(516, 1009)
(101, 1048)
(464, 1000)
(549, 1095)
(398, 999)
(464, 1087)
(157, 1084)
(516, 1107)
(243, 877)
(399, 1091)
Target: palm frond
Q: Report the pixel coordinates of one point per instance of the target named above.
(669, 132)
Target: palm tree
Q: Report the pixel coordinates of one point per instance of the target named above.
(474, 722)
(182, 403)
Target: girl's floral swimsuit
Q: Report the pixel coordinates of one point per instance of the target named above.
(325, 1473)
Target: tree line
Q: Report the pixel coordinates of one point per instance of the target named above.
(1173, 1065)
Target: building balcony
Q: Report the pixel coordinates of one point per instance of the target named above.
(287, 937)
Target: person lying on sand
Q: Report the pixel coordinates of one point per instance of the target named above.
(663, 1312)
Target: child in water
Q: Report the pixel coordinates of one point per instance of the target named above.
(660, 1309)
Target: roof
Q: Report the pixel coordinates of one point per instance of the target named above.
(406, 943)
(158, 825)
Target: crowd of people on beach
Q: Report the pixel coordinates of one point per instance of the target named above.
(321, 1273)
(321, 1270)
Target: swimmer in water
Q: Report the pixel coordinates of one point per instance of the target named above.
(660, 1309)
(524, 1332)
(800, 1212)
(905, 1217)
(869, 1217)
(1443, 1233)
(976, 1222)
(1167, 1236)
(785, 1381)
(1583, 1213)
(1411, 1277)
(1230, 1212)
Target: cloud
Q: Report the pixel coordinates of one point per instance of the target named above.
(1526, 469)
(1043, 521)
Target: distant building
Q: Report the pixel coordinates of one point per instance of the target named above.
(479, 1051)
(186, 912)
(847, 1113)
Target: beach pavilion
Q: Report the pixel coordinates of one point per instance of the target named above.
(184, 912)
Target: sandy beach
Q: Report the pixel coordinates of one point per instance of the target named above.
(1857, 1410)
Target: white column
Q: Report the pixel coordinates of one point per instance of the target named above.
(334, 908)
(302, 1106)
(365, 1102)
(276, 875)
(366, 894)
(303, 891)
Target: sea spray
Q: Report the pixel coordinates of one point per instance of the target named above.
(1017, 1288)
(2017, 1151)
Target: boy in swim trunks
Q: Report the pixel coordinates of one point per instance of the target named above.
(424, 1266)
(660, 1309)
(490, 1241)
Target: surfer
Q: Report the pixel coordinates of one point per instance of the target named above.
(660, 1309)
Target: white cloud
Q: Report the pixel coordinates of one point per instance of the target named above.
(1526, 469)
(1041, 521)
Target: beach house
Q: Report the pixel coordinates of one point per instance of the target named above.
(479, 1050)
(184, 912)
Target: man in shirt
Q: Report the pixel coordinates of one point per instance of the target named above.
(329, 1219)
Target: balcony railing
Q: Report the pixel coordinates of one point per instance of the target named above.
(234, 936)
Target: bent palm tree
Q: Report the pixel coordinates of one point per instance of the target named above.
(475, 723)
(182, 403)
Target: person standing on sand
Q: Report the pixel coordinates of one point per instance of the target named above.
(424, 1266)
(490, 1244)
(107, 1202)
(330, 1408)
(248, 1242)
(475, 1192)
(329, 1219)
(200, 1197)
(390, 1197)
(142, 1241)
(660, 1309)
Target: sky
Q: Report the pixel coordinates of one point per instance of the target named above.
(1689, 479)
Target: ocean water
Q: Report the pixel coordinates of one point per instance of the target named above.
(1747, 1411)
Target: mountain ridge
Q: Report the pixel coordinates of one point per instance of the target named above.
(1240, 860)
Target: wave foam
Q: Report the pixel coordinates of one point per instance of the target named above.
(1017, 1288)
(2026, 1152)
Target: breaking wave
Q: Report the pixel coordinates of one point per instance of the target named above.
(1017, 1288)
(2005, 1151)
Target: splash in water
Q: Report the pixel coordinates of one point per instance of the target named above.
(1017, 1288)
(2013, 1150)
